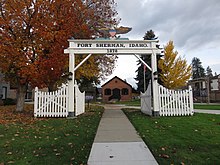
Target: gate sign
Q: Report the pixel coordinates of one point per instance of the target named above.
(112, 46)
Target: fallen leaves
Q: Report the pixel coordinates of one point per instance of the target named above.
(11, 162)
(58, 154)
(9, 116)
(55, 140)
(67, 134)
(163, 149)
(16, 135)
(164, 156)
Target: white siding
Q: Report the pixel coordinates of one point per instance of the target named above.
(214, 85)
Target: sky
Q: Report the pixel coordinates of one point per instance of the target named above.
(193, 26)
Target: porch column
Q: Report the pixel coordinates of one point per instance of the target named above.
(71, 84)
(155, 83)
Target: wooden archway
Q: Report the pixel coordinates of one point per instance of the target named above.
(119, 46)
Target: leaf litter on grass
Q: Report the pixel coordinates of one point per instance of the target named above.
(8, 115)
(38, 137)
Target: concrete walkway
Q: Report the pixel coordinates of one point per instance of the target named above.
(117, 142)
(217, 112)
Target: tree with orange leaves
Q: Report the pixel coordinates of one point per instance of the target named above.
(34, 34)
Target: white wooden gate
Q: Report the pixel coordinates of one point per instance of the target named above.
(146, 101)
(55, 104)
(51, 104)
(175, 102)
(80, 101)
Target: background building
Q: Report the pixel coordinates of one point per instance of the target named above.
(116, 89)
(206, 89)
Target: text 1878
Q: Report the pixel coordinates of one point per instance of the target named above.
(112, 51)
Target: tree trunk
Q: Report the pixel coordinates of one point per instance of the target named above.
(1, 101)
(22, 88)
(51, 87)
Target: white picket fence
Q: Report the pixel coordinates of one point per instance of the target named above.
(175, 102)
(55, 104)
(51, 104)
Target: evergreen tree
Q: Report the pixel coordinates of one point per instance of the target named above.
(174, 70)
(197, 69)
(209, 72)
(149, 35)
(140, 73)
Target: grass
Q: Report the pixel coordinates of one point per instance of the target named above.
(52, 141)
(207, 106)
(130, 103)
(195, 106)
(180, 140)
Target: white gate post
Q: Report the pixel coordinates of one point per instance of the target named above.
(191, 101)
(155, 82)
(36, 101)
(71, 84)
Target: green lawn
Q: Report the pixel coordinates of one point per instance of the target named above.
(53, 141)
(180, 140)
(207, 106)
(130, 103)
(196, 106)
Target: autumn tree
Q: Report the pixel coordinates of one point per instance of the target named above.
(51, 68)
(99, 66)
(198, 70)
(174, 70)
(34, 35)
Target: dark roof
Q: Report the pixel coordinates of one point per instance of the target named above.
(200, 79)
(215, 77)
(117, 78)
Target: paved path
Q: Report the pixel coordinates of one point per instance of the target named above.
(117, 143)
(207, 111)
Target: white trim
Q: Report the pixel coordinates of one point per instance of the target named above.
(143, 62)
(84, 60)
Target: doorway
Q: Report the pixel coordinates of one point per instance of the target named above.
(116, 94)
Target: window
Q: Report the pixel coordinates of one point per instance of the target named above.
(4, 92)
(124, 91)
(107, 91)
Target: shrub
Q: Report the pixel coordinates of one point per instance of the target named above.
(9, 101)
